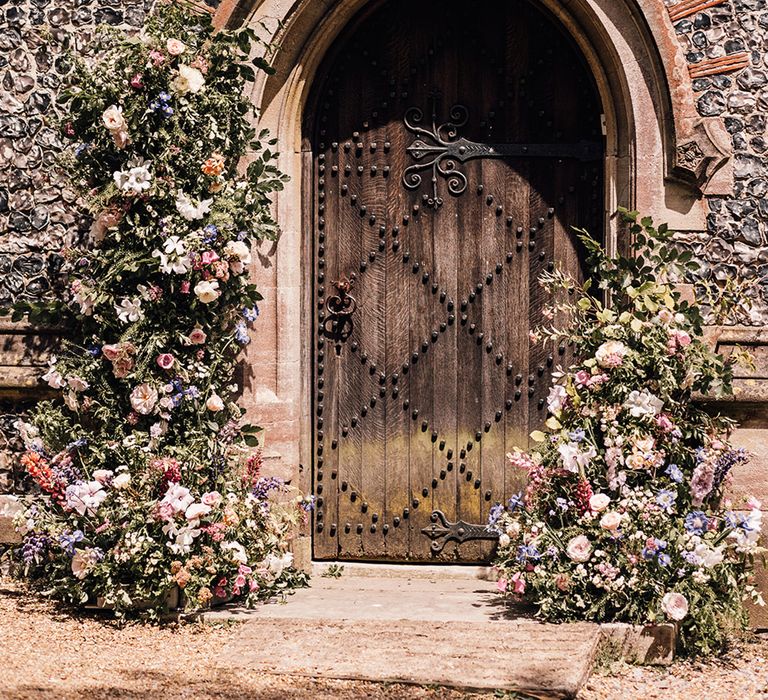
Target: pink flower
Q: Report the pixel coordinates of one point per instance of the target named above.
(501, 585)
(201, 64)
(165, 511)
(136, 81)
(212, 498)
(579, 548)
(157, 57)
(665, 423)
(519, 582)
(165, 360)
(111, 352)
(185, 287)
(582, 378)
(533, 337)
(175, 47)
(240, 581)
(253, 585)
(753, 503)
(209, 256)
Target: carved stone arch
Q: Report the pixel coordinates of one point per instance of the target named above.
(660, 157)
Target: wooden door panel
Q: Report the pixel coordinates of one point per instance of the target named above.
(424, 386)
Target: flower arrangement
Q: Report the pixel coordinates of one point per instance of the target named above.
(625, 516)
(151, 479)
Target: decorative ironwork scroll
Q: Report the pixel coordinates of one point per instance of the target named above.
(445, 531)
(441, 150)
(338, 325)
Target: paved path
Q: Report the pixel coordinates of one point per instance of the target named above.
(415, 629)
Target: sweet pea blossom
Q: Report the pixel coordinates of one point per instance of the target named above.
(196, 511)
(674, 605)
(643, 403)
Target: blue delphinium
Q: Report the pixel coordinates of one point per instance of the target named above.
(675, 473)
(696, 522)
(241, 334)
(493, 516)
(161, 104)
(68, 539)
(515, 502)
(251, 314)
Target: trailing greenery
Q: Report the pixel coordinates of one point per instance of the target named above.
(150, 475)
(626, 515)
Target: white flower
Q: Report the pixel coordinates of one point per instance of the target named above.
(708, 556)
(113, 118)
(188, 209)
(129, 310)
(611, 353)
(103, 475)
(573, 458)
(504, 540)
(175, 47)
(121, 481)
(214, 403)
(85, 497)
(196, 511)
(136, 179)
(579, 548)
(599, 502)
(207, 291)
(674, 605)
(236, 550)
(77, 383)
(643, 403)
(185, 537)
(611, 521)
(84, 298)
(168, 264)
(53, 378)
(188, 80)
(556, 398)
(178, 497)
(276, 563)
(83, 561)
(143, 399)
(239, 250)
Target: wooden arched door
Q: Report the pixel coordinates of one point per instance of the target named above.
(454, 145)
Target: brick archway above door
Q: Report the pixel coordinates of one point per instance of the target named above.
(452, 153)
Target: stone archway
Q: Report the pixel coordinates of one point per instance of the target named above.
(659, 155)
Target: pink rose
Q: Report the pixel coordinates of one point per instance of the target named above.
(197, 336)
(122, 366)
(579, 548)
(175, 47)
(165, 360)
(111, 352)
(675, 606)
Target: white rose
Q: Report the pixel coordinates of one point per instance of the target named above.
(113, 118)
(143, 399)
(214, 403)
(579, 548)
(611, 520)
(175, 47)
(207, 291)
(599, 502)
(504, 540)
(610, 350)
(239, 250)
(121, 481)
(674, 605)
(188, 80)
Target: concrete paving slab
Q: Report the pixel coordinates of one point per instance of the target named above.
(426, 631)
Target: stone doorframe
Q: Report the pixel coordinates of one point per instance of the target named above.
(661, 156)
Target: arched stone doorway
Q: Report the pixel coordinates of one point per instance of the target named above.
(453, 153)
(640, 74)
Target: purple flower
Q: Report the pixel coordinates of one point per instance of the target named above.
(251, 314)
(675, 473)
(666, 499)
(664, 559)
(68, 540)
(515, 502)
(493, 516)
(577, 435)
(34, 548)
(241, 334)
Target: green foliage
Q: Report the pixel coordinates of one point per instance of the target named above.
(150, 473)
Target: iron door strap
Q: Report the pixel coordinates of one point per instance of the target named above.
(441, 531)
(441, 149)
